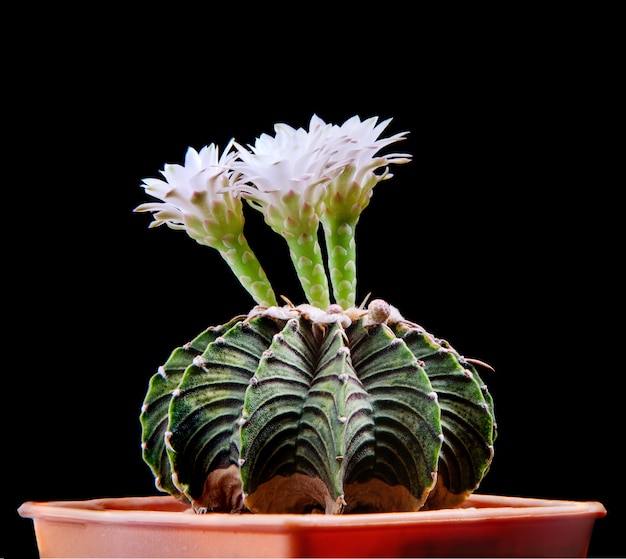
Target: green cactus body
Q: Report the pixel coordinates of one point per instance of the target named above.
(155, 411)
(204, 412)
(467, 417)
(294, 409)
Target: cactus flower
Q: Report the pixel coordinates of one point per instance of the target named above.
(349, 193)
(193, 200)
(284, 176)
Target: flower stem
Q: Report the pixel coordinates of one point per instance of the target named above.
(341, 247)
(245, 265)
(306, 256)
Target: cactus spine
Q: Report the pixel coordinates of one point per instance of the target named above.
(294, 409)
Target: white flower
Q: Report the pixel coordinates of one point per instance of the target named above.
(359, 143)
(284, 175)
(347, 195)
(193, 197)
(363, 141)
(297, 179)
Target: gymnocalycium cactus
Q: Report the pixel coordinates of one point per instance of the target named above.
(318, 407)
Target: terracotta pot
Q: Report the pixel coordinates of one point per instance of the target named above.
(484, 526)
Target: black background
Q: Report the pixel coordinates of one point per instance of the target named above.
(503, 235)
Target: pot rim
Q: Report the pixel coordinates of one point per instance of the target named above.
(165, 510)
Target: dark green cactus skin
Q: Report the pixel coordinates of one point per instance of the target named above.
(467, 415)
(282, 411)
(155, 411)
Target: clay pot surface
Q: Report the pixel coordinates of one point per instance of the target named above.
(484, 526)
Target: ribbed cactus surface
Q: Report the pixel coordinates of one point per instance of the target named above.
(294, 409)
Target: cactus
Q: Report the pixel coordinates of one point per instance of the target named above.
(293, 409)
(322, 407)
